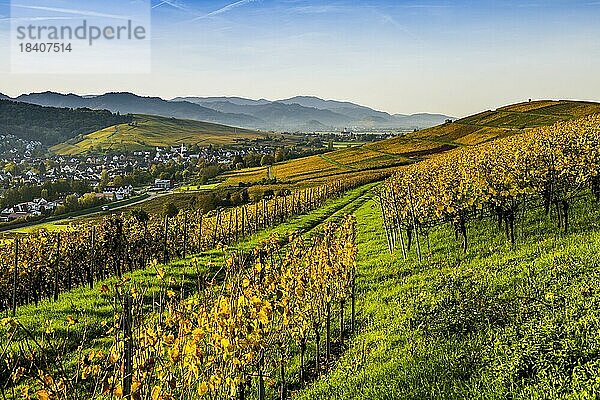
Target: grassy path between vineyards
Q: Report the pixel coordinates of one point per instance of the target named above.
(90, 307)
(497, 322)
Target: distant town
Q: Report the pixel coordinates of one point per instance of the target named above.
(36, 185)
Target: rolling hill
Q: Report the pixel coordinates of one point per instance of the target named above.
(414, 146)
(281, 116)
(147, 132)
(366, 116)
(51, 125)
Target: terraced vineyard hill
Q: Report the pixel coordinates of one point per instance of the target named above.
(486, 126)
(147, 132)
(391, 153)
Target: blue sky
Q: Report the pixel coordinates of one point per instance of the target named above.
(454, 57)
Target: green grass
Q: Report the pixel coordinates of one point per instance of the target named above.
(496, 322)
(345, 145)
(196, 188)
(335, 163)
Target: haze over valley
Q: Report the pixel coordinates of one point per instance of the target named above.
(302, 113)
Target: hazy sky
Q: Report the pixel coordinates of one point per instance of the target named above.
(453, 57)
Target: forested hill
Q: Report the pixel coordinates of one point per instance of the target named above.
(51, 125)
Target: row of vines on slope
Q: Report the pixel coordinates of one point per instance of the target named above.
(220, 342)
(43, 264)
(549, 166)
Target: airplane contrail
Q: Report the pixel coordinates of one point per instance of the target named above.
(32, 19)
(169, 3)
(225, 9)
(71, 11)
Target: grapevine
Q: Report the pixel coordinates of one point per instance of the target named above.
(550, 165)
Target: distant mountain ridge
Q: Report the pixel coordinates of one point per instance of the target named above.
(311, 112)
(240, 101)
(128, 103)
(301, 113)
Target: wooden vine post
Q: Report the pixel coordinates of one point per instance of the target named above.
(237, 224)
(217, 224)
(166, 241)
(15, 278)
(200, 219)
(328, 331)
(385, 224)
(244, 220)
(414, 222)
(185, 234)
(353, 300)
(342, 306)
(397, 223)
(57, 267)
(92, 258)
(127, 347)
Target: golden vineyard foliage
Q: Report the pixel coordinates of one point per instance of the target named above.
(215, 343)
(50, 263)
(555, 162)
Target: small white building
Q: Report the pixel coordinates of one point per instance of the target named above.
(163, 184)
(119, 193)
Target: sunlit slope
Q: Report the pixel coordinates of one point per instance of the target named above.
(151, 131)
(319, 168)
(415, 146)
(504, 121)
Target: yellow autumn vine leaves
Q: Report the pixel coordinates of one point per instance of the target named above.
(211, 344)
(557, 161)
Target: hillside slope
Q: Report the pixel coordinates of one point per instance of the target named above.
(147, 132)
(498, 322)
(51, 125)
(472, 130)
(489, 125)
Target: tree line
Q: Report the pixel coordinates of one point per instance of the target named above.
(51, 125)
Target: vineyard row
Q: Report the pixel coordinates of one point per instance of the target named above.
(230, 337)
(549, 166)
(43, 264)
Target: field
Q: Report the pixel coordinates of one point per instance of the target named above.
(314, 170)
(512, 315)
(452, 326)
(148, 132)
(92, 308)
(415, 146)
(344, 145)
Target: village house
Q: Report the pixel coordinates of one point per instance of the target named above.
(35, 208)
(119, 193)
